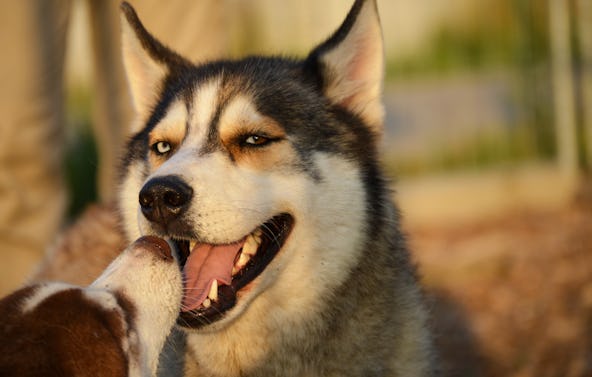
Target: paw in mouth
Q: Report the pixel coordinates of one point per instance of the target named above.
(214, 274)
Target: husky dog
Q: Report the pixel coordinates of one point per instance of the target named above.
(115, 327)
(264, 172)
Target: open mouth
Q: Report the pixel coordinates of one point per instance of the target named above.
(214, 274)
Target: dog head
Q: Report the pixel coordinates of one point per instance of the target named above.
(117, 326)
(261, 169)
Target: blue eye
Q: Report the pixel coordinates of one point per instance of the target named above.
(162, 147)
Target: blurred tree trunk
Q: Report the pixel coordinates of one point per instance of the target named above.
(584, 14)
(111, 113)
(563, 87)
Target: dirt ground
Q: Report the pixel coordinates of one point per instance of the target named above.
(512, 296)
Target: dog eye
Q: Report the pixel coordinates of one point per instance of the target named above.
(162, 147)
(256, 140)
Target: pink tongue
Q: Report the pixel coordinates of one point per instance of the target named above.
(205, 264)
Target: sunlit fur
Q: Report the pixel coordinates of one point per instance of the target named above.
(117, 326)
(341, 296)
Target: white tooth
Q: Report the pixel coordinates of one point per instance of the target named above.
(257, 238)
(213, 295)
(234, 270)
(207, 303)
(250, 246)
(192, 245)
(242, 260)
(257, 234)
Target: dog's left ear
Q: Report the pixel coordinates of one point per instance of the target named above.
(350, 64)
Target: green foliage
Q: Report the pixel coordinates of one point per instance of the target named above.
(507, 34)
(501, 36)
(80, 170)
(478, 152)
(80, 157)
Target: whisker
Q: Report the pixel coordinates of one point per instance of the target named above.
(270, 234)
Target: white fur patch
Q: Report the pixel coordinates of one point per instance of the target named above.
(128, 198)
(326, 240)
(154, 287)
(43, 292)
(240, 108)
(103, 298)
(205, 102)
(318, 256)
(174, 120)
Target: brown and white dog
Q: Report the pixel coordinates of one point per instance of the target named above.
(117, 326)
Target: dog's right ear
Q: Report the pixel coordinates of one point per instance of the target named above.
(350, 64)
(147, 62)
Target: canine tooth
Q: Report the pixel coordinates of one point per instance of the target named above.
(207, 303)
(192, 245)
(257, 234)
(213, 295)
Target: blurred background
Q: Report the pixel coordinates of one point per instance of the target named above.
(488, 135)
(494, 86)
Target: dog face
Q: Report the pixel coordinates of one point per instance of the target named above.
(116, 326)
(257, 168)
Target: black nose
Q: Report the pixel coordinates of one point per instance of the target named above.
(164, 199)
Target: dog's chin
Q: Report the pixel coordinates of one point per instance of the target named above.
(243, 261)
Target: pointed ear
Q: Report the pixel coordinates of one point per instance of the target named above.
(350, 64)
(147, 62)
